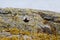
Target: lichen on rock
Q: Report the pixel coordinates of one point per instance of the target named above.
(29, 24)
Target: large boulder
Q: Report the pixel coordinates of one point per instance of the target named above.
(30, 20)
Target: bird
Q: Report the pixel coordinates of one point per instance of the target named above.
(26, 20)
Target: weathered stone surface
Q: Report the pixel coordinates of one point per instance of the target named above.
(32, 21)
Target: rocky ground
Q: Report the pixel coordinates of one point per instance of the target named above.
(29, 24)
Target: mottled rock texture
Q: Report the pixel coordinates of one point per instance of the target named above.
(15, 20)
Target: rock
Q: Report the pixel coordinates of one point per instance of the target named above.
(29, 20)
(5, 33)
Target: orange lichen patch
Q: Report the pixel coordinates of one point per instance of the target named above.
(38, 34)
(5, 38)
(0, 38)
(43, 36)
(14, 30)
(27, 39)
(22, 32)
(53, 37)
(35, 36)
(21, 38)
(14, 38)
(58, 37)
(25, 32)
